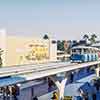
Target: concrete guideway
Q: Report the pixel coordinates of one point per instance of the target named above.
(42, 70)
(30, 68)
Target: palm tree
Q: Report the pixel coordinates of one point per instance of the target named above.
(86, 37)
(93, 38)
(60, 45)
(45, 37)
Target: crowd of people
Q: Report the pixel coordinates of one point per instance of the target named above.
(8, 92)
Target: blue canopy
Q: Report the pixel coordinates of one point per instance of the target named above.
(11, 80)
(87, 88)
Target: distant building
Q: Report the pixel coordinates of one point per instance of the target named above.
(26, 50)
(62, 56)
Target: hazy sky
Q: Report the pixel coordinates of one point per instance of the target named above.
(66, 19)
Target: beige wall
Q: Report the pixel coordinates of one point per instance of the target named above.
(17, 48)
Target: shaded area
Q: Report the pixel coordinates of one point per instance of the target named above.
(10, 80)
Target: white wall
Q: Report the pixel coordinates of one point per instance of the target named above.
(53, 51)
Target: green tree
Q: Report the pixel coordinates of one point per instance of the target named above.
(86, 37)
(45, 37)
(63, 41)
(93, 38)
(60, 45)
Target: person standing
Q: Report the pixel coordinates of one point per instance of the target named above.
(7, 92)
(15, 92)
(55, 96)
(71, 77)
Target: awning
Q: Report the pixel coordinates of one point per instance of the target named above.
(87, 88)
(11, 80)
(24, 80)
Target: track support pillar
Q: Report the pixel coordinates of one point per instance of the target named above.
(60, 85)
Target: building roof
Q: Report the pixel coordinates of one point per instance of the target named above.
(84, 47)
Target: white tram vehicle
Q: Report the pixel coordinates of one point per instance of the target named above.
(84, 54)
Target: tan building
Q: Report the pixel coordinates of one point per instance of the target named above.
(26, 50)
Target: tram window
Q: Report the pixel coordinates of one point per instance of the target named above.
(92, 51)
(76, 51)
(79, 51)
(73, 51)
(86, 51)
(7, 90)
(89, 51)
(95, 51)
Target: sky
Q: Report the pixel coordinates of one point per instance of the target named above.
(63, 19)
